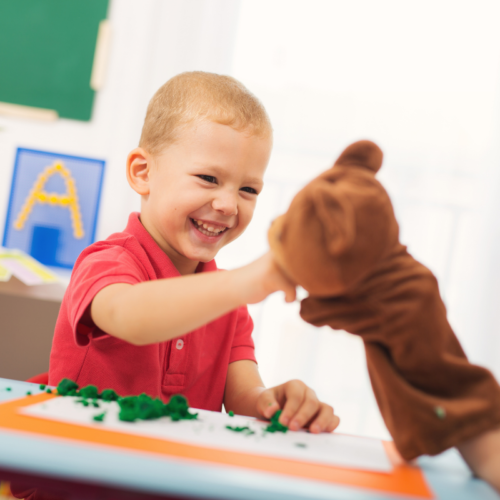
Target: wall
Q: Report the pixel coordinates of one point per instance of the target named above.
(152, 40)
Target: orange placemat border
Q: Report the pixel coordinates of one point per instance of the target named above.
(405, 479)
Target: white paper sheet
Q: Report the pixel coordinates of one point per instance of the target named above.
(209, 430)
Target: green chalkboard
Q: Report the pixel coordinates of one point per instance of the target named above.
(46, 53)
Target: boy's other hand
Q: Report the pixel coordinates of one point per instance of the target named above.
(300, 407)
(264, 277)
(482, 454)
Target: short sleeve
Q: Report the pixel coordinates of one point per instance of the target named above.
(93, 273)
(243, 346)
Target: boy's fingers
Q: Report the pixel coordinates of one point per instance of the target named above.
(267, 405)
(308, 409)
(294, 395)
(333, 424)
(286, 285)
(325, 420)
(290, 294)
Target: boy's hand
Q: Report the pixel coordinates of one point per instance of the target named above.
(301, 407)
(263, 277)
(482, 454)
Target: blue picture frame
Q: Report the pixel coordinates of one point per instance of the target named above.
(53, 205)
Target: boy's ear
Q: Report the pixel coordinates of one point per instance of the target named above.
(139, 164)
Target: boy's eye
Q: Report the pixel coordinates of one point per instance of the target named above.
(249, 190)
(208, 178)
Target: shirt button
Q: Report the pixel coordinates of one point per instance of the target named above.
(179, 344)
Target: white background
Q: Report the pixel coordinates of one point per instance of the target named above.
(420, 79)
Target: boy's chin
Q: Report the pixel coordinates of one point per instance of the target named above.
(201, 256)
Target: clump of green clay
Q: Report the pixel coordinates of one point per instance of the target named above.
(66, 387)
(42, 386)
(244, 430)
(132, 408)
(28, 393)
(231, 413)
(275, 426)
(109, 395)
(48, 390)
(99, 418)
(141, 407)
(89, 392)
(144, 407)
(178, 409)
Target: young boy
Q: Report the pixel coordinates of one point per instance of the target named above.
(145, 311)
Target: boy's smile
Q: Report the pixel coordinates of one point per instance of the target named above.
(199, 194)
(208, 228)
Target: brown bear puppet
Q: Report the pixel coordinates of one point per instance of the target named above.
(340, 241)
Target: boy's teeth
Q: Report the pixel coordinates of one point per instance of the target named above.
(205, 228)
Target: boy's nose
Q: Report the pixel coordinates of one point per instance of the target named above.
(226, 203)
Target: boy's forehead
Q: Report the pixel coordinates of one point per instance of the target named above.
(215, 137)
(219, 150)
(203, 127)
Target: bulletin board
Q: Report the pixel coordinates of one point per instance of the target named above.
(46, 54)
(53, 205)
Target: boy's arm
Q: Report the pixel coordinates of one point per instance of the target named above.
(482, 454)
(156, 311)
(243, 388)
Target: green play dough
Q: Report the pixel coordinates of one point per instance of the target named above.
(275, 426)
(109, 395)
(90, 392)
(144, 407)
(66, 387)
(132, 408)
(244, 430)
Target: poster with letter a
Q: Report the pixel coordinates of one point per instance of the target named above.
(53, 206)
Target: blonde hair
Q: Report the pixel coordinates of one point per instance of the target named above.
(194, 96)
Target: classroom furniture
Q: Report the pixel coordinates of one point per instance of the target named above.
(28, 317)
(86, 469)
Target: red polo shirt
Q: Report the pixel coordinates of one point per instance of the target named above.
(194, 365)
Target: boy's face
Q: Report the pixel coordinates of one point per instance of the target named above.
(202, 191)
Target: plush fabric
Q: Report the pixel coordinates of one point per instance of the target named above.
(340, 241)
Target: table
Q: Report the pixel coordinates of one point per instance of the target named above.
(29, 315)
(88, 471)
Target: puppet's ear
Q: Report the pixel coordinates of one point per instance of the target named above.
(362, 154)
